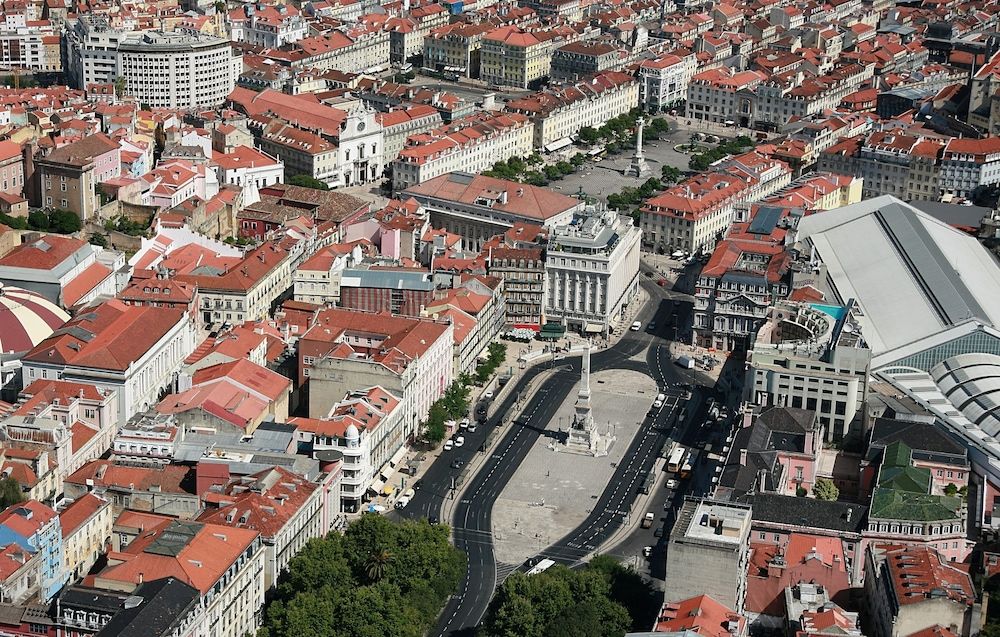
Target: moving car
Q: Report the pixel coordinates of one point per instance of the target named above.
(472, 427)
(457, 464)
(636, 326)
(647, 551)
(459, 441)
(648, 520)
(672, 484)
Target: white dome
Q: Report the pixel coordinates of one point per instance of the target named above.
(352, 432)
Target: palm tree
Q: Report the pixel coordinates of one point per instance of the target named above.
(377, 563)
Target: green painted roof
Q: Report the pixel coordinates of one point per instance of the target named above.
(897, 454)
(893, 504)
(911, 479)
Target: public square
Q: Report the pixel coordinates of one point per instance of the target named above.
(554, 490)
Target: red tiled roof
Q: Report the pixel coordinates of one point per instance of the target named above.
(263, 502)
(84, 282)
(201, 562)
(702, 615)
(110, 336)
(43, 254)
(104, 473)
(77, 513)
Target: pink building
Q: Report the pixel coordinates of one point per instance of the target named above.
(776, 451)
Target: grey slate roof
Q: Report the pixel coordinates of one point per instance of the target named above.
(809, 513)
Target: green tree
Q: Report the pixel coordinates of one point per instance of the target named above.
(10, 492)
(307, 181)
(98, 239)
(951, 489)
(825, 489)
(535, 178)
(64, 221)
(378, 578)
(557, 602)
(578, 159)
(120, 86)
(534, 159)
(589, 135)
(565, 168)
(699, 163)
(38, 220)
(670, 175)
(377, 564)
(552, 173)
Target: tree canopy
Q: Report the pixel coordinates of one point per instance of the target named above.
(825, 489)
(605, 598)
(307, 181)
(378, 578)
(10, 492)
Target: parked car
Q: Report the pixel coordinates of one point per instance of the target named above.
(636, 326)
(448, 444)
(457, 464)
(472, 427)
(672, 484)
(488, 394)
(647, 551)
(459, 441)
(658, 532)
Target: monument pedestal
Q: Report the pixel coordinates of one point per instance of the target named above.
(583, 437)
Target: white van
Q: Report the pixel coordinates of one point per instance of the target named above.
(636, 326)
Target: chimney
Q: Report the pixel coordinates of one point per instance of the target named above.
(743, 457)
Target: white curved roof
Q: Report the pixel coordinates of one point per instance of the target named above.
(26, 319)
(971, 382)
(912, 275)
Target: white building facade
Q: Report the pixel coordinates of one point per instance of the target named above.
(592, 270)
(176, 70)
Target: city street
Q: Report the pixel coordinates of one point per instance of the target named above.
(472, 514)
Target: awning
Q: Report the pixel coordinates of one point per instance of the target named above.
(552, 330)
(396, 457)
(559, 144)
(376, 485)
(593, 328)
(385, 473)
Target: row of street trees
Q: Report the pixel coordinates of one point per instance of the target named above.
(701, 161)
(378, 578)
(454, 404)
(529, 170)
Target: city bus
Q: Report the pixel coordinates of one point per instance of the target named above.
(541, 567)
(689, 461)
(677, 459)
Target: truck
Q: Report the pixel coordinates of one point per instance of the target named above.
(648, 520)
(685, 361)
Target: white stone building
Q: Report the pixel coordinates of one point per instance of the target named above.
(134, 350)
(560, 113)
(493, 137)
(663, 81)
(367, 427)
(592, 270)
(176, 70)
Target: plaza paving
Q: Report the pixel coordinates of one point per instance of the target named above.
(553, 490)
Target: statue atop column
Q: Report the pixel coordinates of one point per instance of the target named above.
(638, 168)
